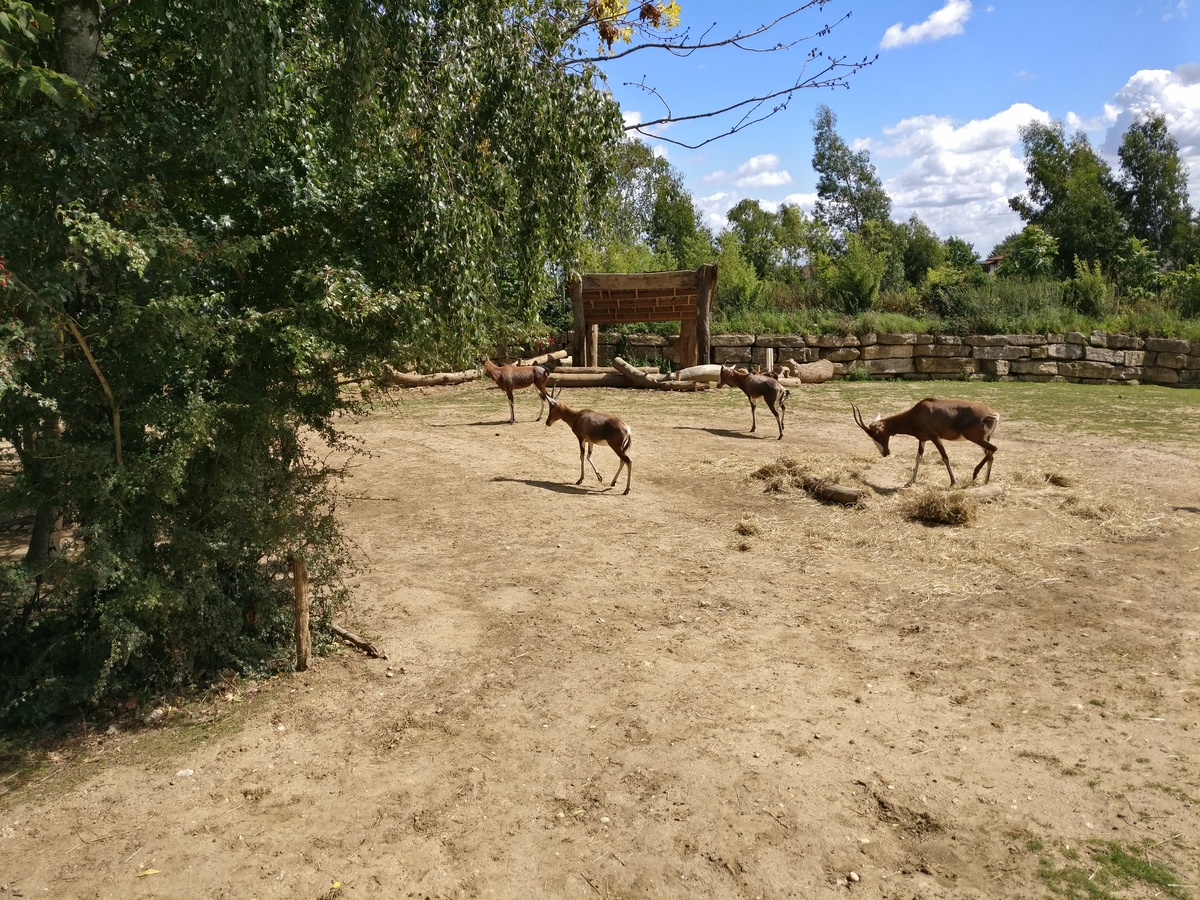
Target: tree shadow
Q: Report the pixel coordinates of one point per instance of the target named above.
(1191, 509)
(495, 424)
(555, 486)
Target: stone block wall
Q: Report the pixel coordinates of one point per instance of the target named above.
(1096, 358)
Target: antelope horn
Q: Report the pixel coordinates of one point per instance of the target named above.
(858, 418)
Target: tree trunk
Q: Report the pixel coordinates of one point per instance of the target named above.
(77, 38)
(46, 539)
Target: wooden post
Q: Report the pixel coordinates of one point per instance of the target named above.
(594, 345)
(706, 285)
(303, 638)
(580, 338)
(685, 345)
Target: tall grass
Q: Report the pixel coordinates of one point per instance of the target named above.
(992, 306)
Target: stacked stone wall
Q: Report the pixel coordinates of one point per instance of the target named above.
(1096, 358)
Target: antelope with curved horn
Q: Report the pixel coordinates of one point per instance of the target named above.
(514, 378)
(938, 420)
(591, 428)
(755, 386)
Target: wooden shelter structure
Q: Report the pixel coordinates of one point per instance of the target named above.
(684, 296)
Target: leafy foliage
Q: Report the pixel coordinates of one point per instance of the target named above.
(1153, 193)
(256, 206)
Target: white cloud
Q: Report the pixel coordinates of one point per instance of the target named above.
(760, 171)
(713, 208)
(945, 22)
(765, 180)
(1074, 122)
(1177, 9)
(958, 176)
(1173, 94)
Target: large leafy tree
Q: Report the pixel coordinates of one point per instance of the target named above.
(1071, 196)
(214, 219)
(647, 220)
(849, 192)
(1154, 193)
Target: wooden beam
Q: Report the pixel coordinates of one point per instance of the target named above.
(580, 338)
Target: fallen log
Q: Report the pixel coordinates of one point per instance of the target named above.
(653, 381)
(611, 378)
(832, 493)
(599, 370)
(415, 379)
(634, 374)
(354, 640)
(706, 373)
(543, 359)
(810, 373)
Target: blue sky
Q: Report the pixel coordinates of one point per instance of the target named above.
(940, 109)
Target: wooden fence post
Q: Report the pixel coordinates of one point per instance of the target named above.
(303, 637)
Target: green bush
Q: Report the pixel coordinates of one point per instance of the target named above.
(1181, 289)
(1089, 291)
(856, 278)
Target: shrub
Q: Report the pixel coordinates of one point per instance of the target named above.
(1182, 290)
(1089, 291)
(854, 284)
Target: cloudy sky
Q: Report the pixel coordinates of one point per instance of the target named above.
(939, 110)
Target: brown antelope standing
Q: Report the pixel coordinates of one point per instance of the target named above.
(755, 386)
(938, 420)
(592, 427)
(514, 378)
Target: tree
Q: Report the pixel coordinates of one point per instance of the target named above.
(1154, 193)
(923, 250)
(224, 220)
(849, 192)
(1031, 253)
(857, 276)
(646, 221)
(961, 254)
(1072, 196)
(756, 230)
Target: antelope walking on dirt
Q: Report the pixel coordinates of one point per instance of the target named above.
(755, 386)
(514, 378)
(938, 420)
(592, 427)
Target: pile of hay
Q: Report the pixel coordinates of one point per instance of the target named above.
(934, 507)
(819, 480)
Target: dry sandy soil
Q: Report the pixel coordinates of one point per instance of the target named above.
(699, 690)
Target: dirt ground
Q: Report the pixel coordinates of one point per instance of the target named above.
(699, 690)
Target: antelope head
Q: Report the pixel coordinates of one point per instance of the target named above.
(876, 431)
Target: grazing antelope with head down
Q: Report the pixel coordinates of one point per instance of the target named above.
(937, 421)
(514, 378)
(755, 386)
(591, 428)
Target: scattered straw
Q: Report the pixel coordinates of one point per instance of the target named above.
(934, 507)
(748, 527)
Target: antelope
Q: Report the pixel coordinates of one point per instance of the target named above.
(938, 420)
(592, 427)
(755, 386)
(514, 378)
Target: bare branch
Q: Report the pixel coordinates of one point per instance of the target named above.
(681, 46)
(826, 78)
